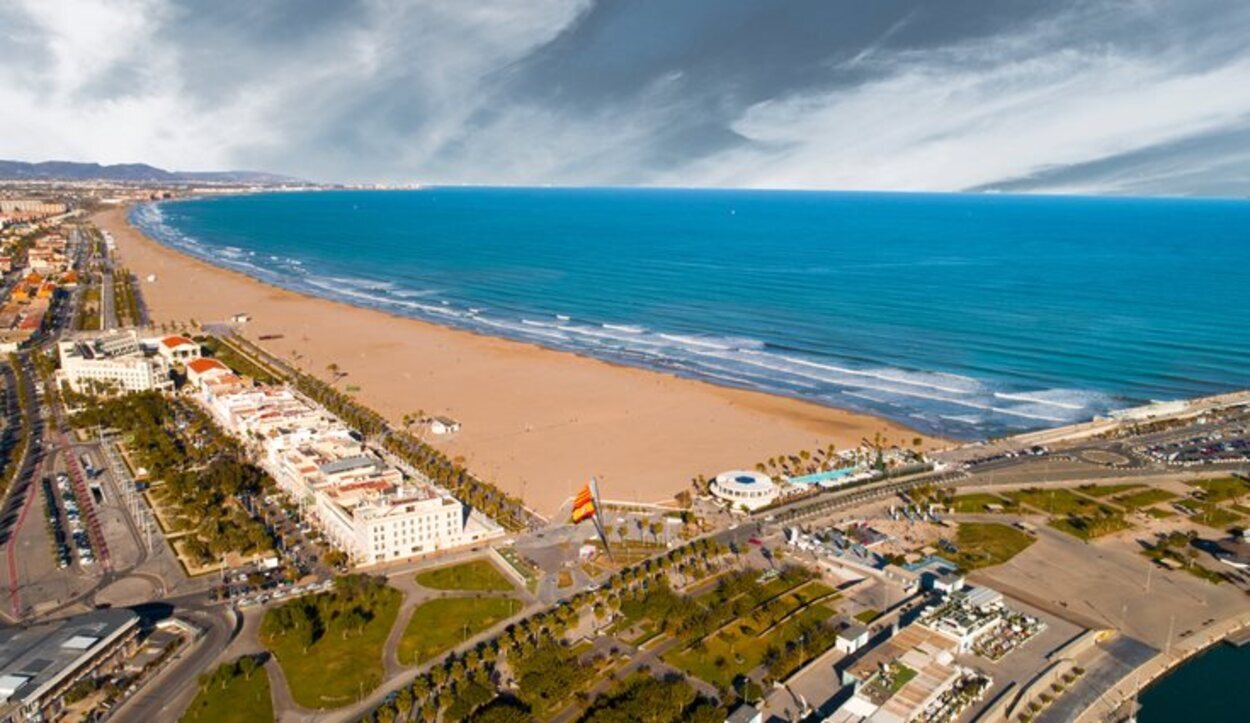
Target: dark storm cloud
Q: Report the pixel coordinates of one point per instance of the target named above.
(1138, 96)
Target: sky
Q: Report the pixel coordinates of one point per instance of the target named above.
(1057, 96)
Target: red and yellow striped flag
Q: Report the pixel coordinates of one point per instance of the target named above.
(583, 505)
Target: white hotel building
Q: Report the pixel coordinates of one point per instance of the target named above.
(119, 362)
(365, 506)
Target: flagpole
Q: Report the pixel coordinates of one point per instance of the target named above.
(598, 517)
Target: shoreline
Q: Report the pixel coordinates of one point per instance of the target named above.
(537, 421)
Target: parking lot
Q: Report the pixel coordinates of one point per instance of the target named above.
(1226, 444)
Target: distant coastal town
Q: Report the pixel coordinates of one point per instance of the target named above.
(225, 501)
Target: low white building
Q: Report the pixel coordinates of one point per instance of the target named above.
(965, 615)
(114, 362)
(852, 637)
(744, 489)
(444, 425)
(205, 372)
(176, 348)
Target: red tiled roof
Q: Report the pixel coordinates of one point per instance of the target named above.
(201, 366)
(176, 341)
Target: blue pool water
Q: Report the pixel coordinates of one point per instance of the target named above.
(967, 315)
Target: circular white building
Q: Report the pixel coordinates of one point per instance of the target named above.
(741, 488)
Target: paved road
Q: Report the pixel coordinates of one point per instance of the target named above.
(17, 501)
(167, 696)
(108, 302)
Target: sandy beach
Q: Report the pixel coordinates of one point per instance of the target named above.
(537, 422)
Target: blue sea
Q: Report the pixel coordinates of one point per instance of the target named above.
(1206, 688)
(964, 315)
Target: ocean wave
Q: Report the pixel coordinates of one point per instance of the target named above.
(937, 401)
(627, 328)
(602, 333)
(1062, 398)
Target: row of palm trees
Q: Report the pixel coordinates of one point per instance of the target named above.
(655, 527)
(443, 471)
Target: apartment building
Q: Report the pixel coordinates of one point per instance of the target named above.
(367, 507)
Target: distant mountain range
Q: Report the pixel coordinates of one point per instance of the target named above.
(130, 173)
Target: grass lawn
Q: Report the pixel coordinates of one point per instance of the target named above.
(988, 544)
(242, 700)
(1224, 488)
(1098, 491)
(1144, 498)
(1087, 528)
(882, 688)
(867, 616)
(767, 615)
(476, 575)
(441, 624)
(733, 652)
(1058, 502)
(1213, 515)
(1159, 514)
(335, 670)
(976, 502)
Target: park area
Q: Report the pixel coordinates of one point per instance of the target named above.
(1143, 498)
(740, 648)
(746, 621)
(1223, 489)
(984, 544)
(236, 692)
(975, 503)
(330, 645)
(1074, 514)
(472, 576)
(443, 623)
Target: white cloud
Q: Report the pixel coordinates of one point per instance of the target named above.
(441, 53)
(419, 90)
(87, 38)
(949, 120)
